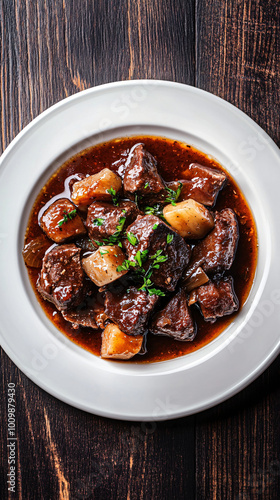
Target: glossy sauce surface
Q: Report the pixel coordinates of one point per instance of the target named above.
(173, 159)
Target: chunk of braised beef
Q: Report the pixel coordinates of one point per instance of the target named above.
(85, 244)
(130, 309)
(202, 184)
(141, 177)
(216, 299)
(89, 313)
(154, 235)
(61, 222)
(216, 252)
(104, 219)
(62, 280)
(175, 319)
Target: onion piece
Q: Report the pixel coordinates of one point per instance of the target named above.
(35, 250)
(101, 266)
(198, 278)
(191, 219)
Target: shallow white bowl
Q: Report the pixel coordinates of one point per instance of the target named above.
(129, 391)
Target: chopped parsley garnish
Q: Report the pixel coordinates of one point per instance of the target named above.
(103, 252)
(132, 239)
(137, 197)
(141, 273)
(67, 216)
(98, 243)
(98, 221)
(141, 257)
(169, 238)
(114, 239)
(155, 210)
(173, 195)
(115, 196)
(120, 225)
(126, 265)
(147, 287)
(157, 257)
(155, 226)
(146, 185)
(155, 291)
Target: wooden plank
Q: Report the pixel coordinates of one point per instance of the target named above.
(50, 50)
(66, 453)
(238, 58)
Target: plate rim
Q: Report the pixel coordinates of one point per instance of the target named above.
(177, 414)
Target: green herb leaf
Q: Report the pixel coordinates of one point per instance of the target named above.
(67, 216)
(155, 210)
(149, 272)
(132, 239)
(173, 195)
(138, 258)
(72, 214)
(137, 198)
(169, 238)
(126, 265)
(155, 256)
(120, 225)
(103, 252)
(98, 221)
(161, 258)
(123, 267)
(114, 239)
(155, 226)
(99, 243)
(146, 185)
(144, 255)
(147, 287)
(155, 291)
(115, 196)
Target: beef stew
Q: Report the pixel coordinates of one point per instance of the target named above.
(146, 230)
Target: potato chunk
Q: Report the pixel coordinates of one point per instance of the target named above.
(95, 187)
(101, 266)
(61, 222)
(118, 345)
(191, 219)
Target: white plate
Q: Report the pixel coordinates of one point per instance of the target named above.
(171, 388)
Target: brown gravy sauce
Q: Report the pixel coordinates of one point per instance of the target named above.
(173, 159)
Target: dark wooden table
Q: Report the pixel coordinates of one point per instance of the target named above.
(51, 49)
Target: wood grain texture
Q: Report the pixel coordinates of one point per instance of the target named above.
(50, 50)
(238, 58)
